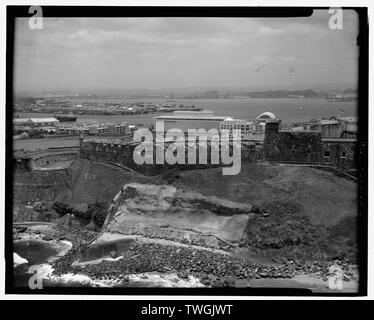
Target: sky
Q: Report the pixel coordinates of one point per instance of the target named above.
(155, 53)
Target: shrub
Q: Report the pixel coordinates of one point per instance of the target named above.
(98, 211)
(62, 208)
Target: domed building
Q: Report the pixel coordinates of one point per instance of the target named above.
(266, 116)
(262, 118)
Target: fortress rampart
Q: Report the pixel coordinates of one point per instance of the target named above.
(308, 147)
(124, 154)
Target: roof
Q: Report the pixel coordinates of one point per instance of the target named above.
(191, 117)
(40, 120)
(338, 140)
(266, 115)
(229, 119)
(327, 122)
(21, 120)
(349, 119)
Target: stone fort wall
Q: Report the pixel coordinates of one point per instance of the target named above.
(123, 154)
(308, 147)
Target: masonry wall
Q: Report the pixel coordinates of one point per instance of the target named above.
(50, 159)
(304, 147)
(123, 154)
(308, 147)
(342, 154)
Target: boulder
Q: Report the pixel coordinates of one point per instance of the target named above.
(20, 265)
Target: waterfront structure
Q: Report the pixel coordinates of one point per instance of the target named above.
(342, 127)
(185, 120)
(95, 129)
(262, 119)
(230, 124)
(36, 122)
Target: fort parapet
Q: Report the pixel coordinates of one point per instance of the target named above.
(308, 147)
(123, 155)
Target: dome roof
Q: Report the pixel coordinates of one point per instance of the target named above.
(266, 115)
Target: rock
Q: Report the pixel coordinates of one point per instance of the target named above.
(20, 264)
(230, 282)
(218, 283)
(240, 283)
(264, 274)
(284, 260)
(256, 210)
(251, 215)
(21, 229)
(113, 254)
(47, 238)
(91, 226)
(82, 207)
(205, 282)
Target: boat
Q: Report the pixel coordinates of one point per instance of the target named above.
(300, 108)
(66, 118)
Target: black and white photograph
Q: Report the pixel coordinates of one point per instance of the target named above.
(209, 151)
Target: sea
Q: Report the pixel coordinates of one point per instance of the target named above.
(289, 110)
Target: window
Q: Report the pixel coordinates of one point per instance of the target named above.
(343, 155)
(326, 154)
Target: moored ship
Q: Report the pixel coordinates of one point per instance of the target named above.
(66, 118)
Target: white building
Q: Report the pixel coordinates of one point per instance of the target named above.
(94, 129)
(36, 122)
(185, 120)
(244, 125)
(42, 122)
(349, 123)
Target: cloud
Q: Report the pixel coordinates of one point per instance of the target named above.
(176, 52)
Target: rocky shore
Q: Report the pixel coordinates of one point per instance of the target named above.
(210, 268)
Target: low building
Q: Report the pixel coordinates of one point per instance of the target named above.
(72, 130)
(94, 129)
(23, 135)
(118, 129)
(331, 128)
(21, 122)
(231, 124)
(349, 123)
(36, 122)
(44, 122)
(345, 127)
(185, 120)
